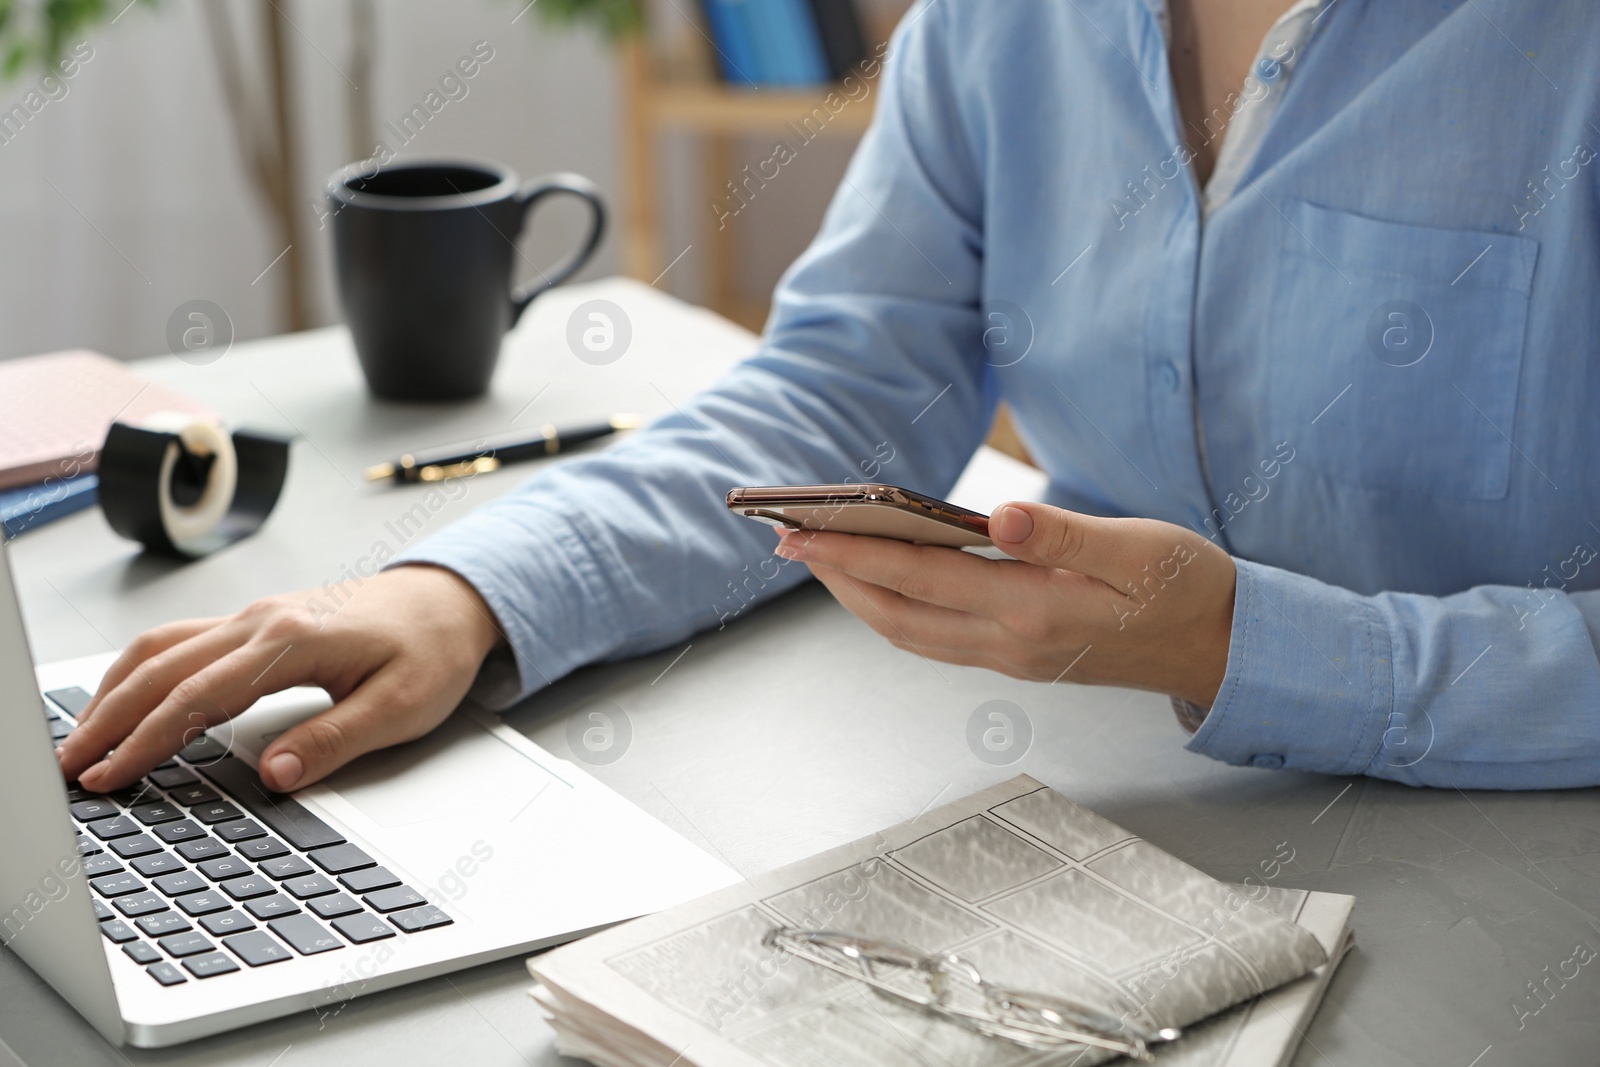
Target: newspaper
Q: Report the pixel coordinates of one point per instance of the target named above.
(1037, 892)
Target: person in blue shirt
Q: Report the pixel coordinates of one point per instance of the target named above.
(1301, 332)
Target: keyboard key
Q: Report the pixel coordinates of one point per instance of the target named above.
(59, 728)
(334, 906)
(166, 763)
(210, 965)
(400, 896)
(305, 934)
(286, 867)
(203, 848)
(172, 777)
(162, 924)
(111, 829)
(204, 903)
(157, 863)
(118, 931)
(368, 880)
(182, 830)
(137, 795)
(190, 795)
(202, 750)
(176, 885)
(308, 886)
(215, 811)
(248, 887)
(139, 904)
(190, 944)
(139, 952)
(257, 949)
(72, 700)
(238, 830)
(423, 918)
(266, 848)
(88, 846)
(227, 922)
(283, 814)
(272, 907)
(101, 865)
(224, 867)
(359, 929)
(117, 885)
(165, 973)
(134, 795)
(94, 808)
(101, 912)
(341, 858)
(137, 845)
(158, 812)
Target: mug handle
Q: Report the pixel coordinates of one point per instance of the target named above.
(530, 195)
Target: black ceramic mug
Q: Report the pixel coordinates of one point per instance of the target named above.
(425, 255)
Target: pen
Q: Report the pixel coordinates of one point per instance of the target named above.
(481, 457)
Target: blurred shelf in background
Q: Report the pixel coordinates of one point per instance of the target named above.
(672, 87)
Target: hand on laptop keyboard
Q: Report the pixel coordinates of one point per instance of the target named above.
(396, 652)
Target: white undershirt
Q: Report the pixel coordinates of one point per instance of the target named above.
(1280, 49)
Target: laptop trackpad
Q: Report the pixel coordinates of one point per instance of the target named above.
(459, 771)
(441, 808)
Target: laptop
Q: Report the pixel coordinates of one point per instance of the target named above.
(196, 902)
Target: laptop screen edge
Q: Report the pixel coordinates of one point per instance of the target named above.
(46, 914)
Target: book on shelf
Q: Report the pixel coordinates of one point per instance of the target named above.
(792, 28)
(730, 36)
(783, 43)
(843, 41)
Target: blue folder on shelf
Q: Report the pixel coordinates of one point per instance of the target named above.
(802, 60)
(767, 42)
(729, 21)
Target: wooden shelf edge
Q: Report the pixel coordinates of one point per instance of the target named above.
(718, 108)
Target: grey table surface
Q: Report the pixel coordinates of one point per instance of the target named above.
(796, 729)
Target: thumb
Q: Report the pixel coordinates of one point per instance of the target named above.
(1052, 537)
(323, 743)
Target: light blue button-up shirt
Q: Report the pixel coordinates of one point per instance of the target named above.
(1368, 374)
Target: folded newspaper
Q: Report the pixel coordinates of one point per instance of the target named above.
(1032, 890)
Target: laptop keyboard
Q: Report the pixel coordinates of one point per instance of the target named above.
(197, 869)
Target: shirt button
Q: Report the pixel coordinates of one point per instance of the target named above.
(1269, 761)
(1170, 376)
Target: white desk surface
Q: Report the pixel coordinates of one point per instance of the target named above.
(1462, 899)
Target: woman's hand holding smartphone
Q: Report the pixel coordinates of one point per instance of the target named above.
(1130, 602)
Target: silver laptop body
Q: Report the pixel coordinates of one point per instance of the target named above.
(481, 844)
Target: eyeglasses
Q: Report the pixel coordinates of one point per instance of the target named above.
(951, 987)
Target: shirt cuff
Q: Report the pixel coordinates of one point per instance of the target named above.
(541, 597)
(1309, 683)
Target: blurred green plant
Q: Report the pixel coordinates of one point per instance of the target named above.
(615, 18)
(37, 33)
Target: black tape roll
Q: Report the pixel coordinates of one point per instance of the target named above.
(151, 478)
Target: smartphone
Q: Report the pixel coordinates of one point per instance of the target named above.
(873, 510)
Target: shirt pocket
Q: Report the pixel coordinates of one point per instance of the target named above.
(1396, 351)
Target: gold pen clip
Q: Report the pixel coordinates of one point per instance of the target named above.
(466, 468)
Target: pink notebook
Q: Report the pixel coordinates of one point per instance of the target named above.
(55, 410)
